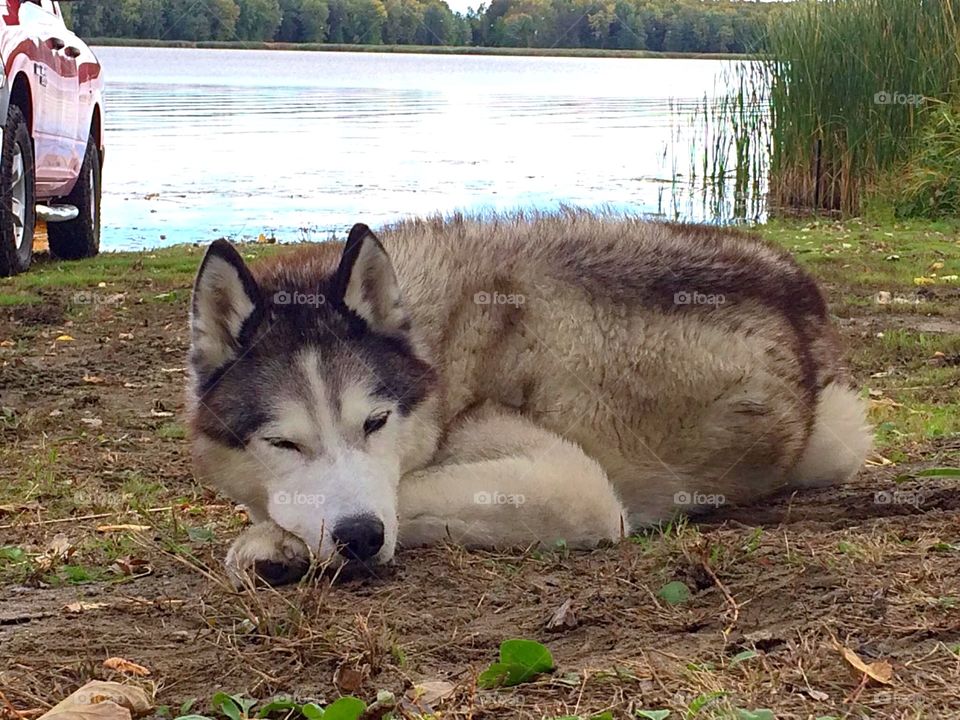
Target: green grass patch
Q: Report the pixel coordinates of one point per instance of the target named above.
(873, 256)
(165, 268)
(21, 298)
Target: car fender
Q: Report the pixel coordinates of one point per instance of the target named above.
(4, 99)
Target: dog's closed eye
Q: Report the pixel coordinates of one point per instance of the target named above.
(375, 422)
(284, 444)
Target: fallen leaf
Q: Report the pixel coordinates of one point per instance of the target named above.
(431, 692)
(563, 617)
(93, 379)
(7, 343)
(92, 422)
(132, 566)
(125, 666)
(79, 607)
(98, 700)
(60, 547)
(349, 679)
(879, 670)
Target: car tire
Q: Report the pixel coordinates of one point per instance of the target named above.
(17, 201)
(80, 237)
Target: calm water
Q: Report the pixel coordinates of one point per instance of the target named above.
(210, 143)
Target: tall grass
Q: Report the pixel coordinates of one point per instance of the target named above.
(928, 184)
(847, 85)
(722, 143)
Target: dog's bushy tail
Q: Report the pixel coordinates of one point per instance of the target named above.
(840, 442)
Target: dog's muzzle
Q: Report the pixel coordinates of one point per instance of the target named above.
(359, 537)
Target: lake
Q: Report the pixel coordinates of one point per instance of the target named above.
(299, 145)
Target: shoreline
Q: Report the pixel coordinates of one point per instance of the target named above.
(414, 49)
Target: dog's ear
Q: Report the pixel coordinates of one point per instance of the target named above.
(226, 303)
(366, 283)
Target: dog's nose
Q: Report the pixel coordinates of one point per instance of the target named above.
(359, 537)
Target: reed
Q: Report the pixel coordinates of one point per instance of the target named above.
(845, 96)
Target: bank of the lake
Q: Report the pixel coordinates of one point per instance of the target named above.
(414, 49)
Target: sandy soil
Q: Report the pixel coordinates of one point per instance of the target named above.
(92, 438)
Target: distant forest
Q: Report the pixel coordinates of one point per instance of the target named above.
(715, 26)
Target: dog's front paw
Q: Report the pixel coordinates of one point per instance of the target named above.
(268, 552)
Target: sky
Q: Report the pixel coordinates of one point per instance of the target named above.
(461, 6)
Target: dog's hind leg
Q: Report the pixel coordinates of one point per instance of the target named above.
(502, 481)
(840, 441)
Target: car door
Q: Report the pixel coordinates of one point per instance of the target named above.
(77, 98)
(55, 87)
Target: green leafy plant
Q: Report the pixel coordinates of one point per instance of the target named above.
(653, 714)
(702, 701)
(759, 714)
(520, 662)
(237, 707)
(742, 656)
(944, 472)
(674, 593)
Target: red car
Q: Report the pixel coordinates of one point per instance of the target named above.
(51, 99)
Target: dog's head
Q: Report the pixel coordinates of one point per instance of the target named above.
(307, 395)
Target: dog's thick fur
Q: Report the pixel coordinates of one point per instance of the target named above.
(540, 377)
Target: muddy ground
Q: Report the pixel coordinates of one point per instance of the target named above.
(92, 391)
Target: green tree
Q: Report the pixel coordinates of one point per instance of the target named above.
(676, 25)
(258, 20)
(303, 20)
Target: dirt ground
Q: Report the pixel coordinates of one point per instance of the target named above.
(92, 438)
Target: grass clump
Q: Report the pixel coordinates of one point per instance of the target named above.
(928, 185)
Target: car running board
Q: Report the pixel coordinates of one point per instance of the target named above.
(57, 213)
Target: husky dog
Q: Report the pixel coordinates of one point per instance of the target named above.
(508, 381)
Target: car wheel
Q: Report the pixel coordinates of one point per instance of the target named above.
(80, 237)
(16, 195)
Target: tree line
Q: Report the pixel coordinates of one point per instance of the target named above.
(660, 25)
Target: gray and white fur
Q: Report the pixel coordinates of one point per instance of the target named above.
(508, 381)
